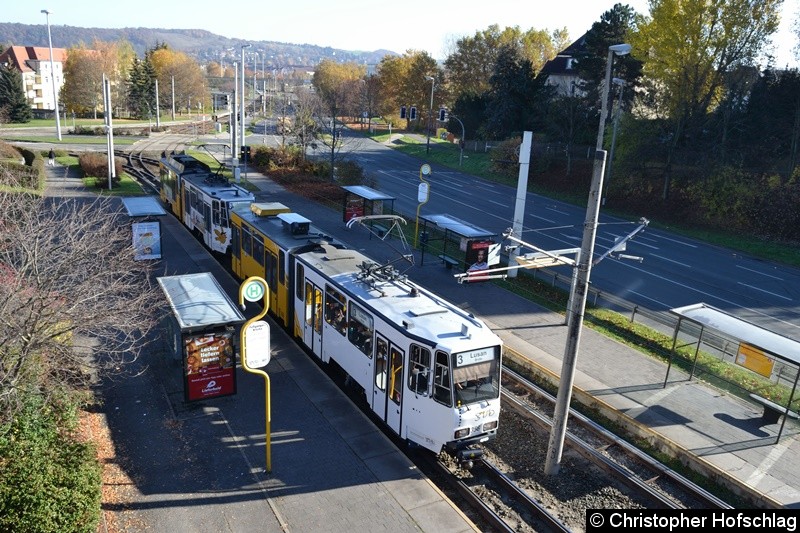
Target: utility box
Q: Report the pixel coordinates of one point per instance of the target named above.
(204, 333)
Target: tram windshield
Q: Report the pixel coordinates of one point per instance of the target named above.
(476, 375)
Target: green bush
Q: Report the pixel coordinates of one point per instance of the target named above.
(49, 481)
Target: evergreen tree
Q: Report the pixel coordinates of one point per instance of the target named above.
(141, 89)
(13, 103)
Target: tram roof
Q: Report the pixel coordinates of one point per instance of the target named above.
(273, 226)
(219, 187)
(399, 300)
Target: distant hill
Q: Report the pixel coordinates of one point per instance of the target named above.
(200, 44)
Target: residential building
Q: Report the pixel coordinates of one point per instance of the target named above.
(37, 79)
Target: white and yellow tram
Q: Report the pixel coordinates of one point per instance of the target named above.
(428, 369)
(201, 199)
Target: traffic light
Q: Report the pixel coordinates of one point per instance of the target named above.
(442, 115)
(245, 153)
(413, 114)
(402, 111)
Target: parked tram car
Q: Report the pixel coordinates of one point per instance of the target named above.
(200, 198)
(429, 370)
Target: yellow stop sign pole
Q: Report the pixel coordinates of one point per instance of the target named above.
(254, 289)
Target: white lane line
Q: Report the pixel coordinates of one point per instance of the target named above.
(676, 241)
(671, 260)
(761, 273)
(767, 292)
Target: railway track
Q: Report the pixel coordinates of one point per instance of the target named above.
(662, 485)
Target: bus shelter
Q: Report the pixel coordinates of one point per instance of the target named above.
(463, 237)
(145, 228)
(360, 201)
(761, 351)
(203, 329)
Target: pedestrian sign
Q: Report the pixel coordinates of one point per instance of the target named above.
(253, 290)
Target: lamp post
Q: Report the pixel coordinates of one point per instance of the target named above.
(241, 102)
(53, 73)
(621, 84)
(430, 114)
(581, 283)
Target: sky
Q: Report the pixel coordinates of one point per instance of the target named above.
(365, 25)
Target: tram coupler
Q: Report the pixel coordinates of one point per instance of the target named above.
(466, 456)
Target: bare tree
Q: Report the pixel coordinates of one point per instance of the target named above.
(74, 304)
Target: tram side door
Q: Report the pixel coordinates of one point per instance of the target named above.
(312, 325)
(387, 390)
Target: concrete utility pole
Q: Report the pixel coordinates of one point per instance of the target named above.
(522, 192)
(581, 285)
(241, 101)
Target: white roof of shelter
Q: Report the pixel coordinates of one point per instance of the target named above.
(712, 318)
(457, 226)
(198, 301)
(139, 206)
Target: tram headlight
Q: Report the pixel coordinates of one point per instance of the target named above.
(461, 433)
(489, 426)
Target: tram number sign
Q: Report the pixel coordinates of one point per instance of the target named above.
(257, 344)
(253, 290)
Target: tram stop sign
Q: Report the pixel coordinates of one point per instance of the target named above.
(253, 290)
(257, 344)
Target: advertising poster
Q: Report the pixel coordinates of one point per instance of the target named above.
(353, 208)
(480, 257)
(209, 366)
(146, 240)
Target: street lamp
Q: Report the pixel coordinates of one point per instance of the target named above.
(430, 114)
(581, 283)
(621, 84)
(241, 102)
(53, 73)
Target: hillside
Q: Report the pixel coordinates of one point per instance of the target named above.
(200, 44)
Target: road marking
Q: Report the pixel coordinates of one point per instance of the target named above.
(757, 272)
(671, 260)
(762, 470)
(768, 292)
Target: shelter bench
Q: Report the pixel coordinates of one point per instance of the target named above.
(448, 261)
(379, 230)
(772, 411)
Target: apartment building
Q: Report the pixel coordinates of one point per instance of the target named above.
(37, 77)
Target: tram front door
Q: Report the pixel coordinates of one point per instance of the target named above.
(312, 326)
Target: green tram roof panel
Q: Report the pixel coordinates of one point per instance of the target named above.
(198, 301)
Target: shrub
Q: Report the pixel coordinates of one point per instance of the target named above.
(49, 481)
(95, 164)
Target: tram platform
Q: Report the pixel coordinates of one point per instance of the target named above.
(719, 435)
(200, 466)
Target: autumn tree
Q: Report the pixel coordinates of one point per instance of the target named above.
(83, 74)
(14, 107)
(403, 82)
(189, 81)
(336, 84)
(74, 303)
(688, 47)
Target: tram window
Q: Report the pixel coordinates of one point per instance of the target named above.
(477, 381)
(206, 216)
(282, 267)
(381, 362)
(247, 244)
(313, 307)
(215, 212)
(419, 367)
(298, 284)
(441, 379)
(396, 375)
(360, 329)
(258, 249)
(335, 310)
(272, 266)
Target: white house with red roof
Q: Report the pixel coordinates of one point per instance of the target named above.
(34, 64)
